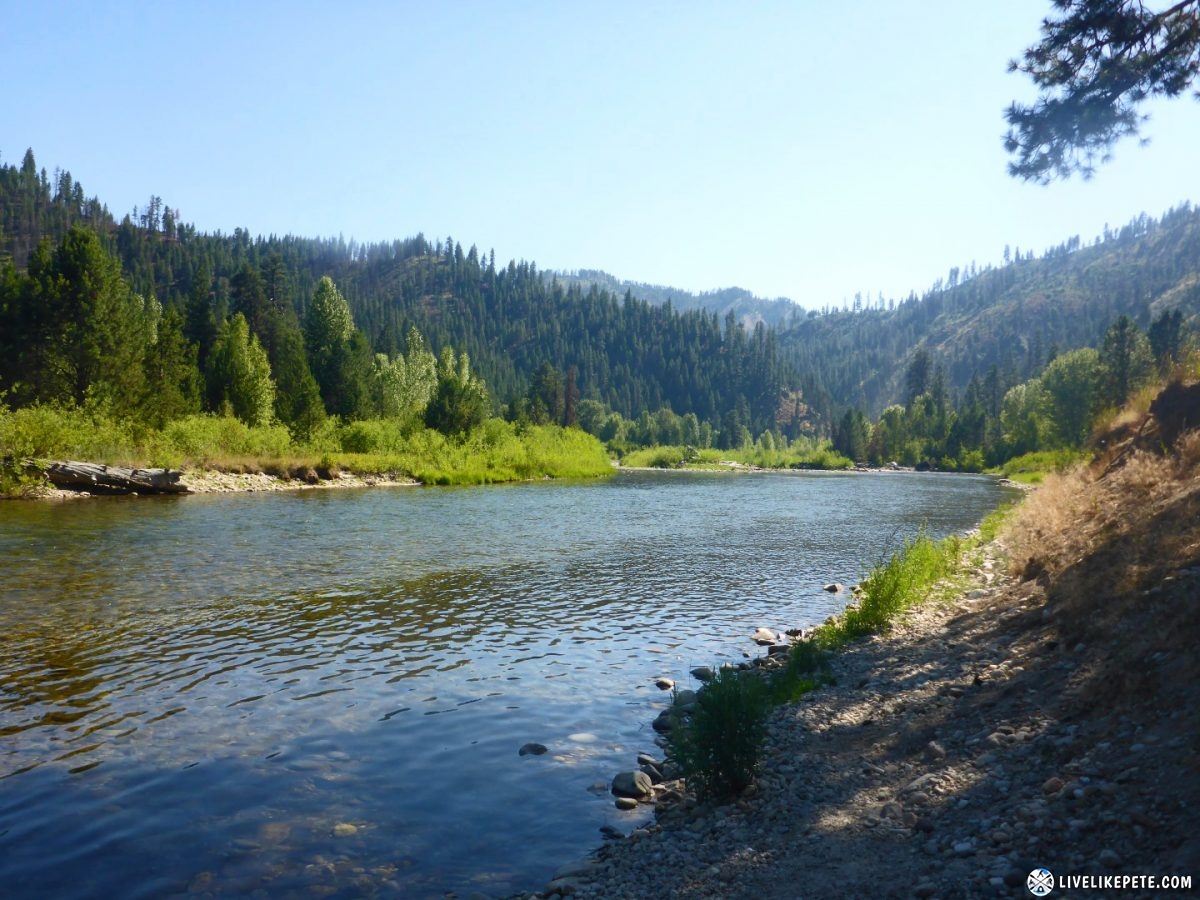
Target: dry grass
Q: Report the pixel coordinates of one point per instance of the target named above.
(1116, 548)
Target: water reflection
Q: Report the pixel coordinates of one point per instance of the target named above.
(296, 691)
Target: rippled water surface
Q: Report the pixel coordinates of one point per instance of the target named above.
(323, 693)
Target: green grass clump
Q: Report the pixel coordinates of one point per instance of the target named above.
(805, 669)
(802, 454)
(718, 749)
(1031, 468)
(897, 584)
(496, 451)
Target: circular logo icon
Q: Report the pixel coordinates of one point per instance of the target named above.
(1040, 882)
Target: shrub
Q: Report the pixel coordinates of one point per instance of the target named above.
(718, 749)
(894, 585)
(806, 668)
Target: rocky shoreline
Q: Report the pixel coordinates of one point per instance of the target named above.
(212, 481)
(948, 759)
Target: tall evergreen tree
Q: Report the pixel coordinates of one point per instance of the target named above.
(1126, 360)
(460, 401)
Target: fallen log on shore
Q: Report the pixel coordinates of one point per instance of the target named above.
(100, 479)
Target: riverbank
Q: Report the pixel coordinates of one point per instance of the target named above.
(215, 481)
(1046, 717)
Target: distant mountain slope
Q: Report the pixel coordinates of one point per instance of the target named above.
(749, 309)
(1014, 317)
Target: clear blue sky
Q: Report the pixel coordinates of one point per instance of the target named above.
(799, 149)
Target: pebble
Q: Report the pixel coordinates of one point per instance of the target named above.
(1052, 785)
(1021, 788)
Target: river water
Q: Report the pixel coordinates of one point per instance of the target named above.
(323, 693)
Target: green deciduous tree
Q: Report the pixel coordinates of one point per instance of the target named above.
(1023, 417)
(1072, 383)
(404, 385)
(340, 356)
(239, 374)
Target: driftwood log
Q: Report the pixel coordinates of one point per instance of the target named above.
(99, 479)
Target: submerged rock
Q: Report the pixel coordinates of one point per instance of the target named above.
(532, 749)
(635, 785)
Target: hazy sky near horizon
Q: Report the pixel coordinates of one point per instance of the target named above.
(799, 149)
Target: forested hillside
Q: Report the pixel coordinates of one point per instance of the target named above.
(749, 309)
(562, 348)
(521, 332)
(1012, 319)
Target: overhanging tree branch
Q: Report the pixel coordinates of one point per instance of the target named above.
(1094, 66)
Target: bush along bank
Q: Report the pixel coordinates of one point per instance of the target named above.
(714, 737)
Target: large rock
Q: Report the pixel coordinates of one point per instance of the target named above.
(685, 700)
(636, 785)
(703, 673)
(764, 637)
(664, 722)
(835, 587)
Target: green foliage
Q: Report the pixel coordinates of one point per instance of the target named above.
(1024, 416)
(1030, 467)
(852, 436)
(460, 401)
(718, 749)
(493, 453)
(204, 439)
(407, 383)
(1096, 63)
(896, 584)
(576, 348)
(805, 669)
(44, 431)
(239, 374)
(1072, 384)
(1126, 361)
(172, 379)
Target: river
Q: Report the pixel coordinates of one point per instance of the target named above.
(323, 693)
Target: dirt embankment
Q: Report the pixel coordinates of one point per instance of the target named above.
(1049, 717)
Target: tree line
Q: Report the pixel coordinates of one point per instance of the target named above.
(995, 421)
(295, 329)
